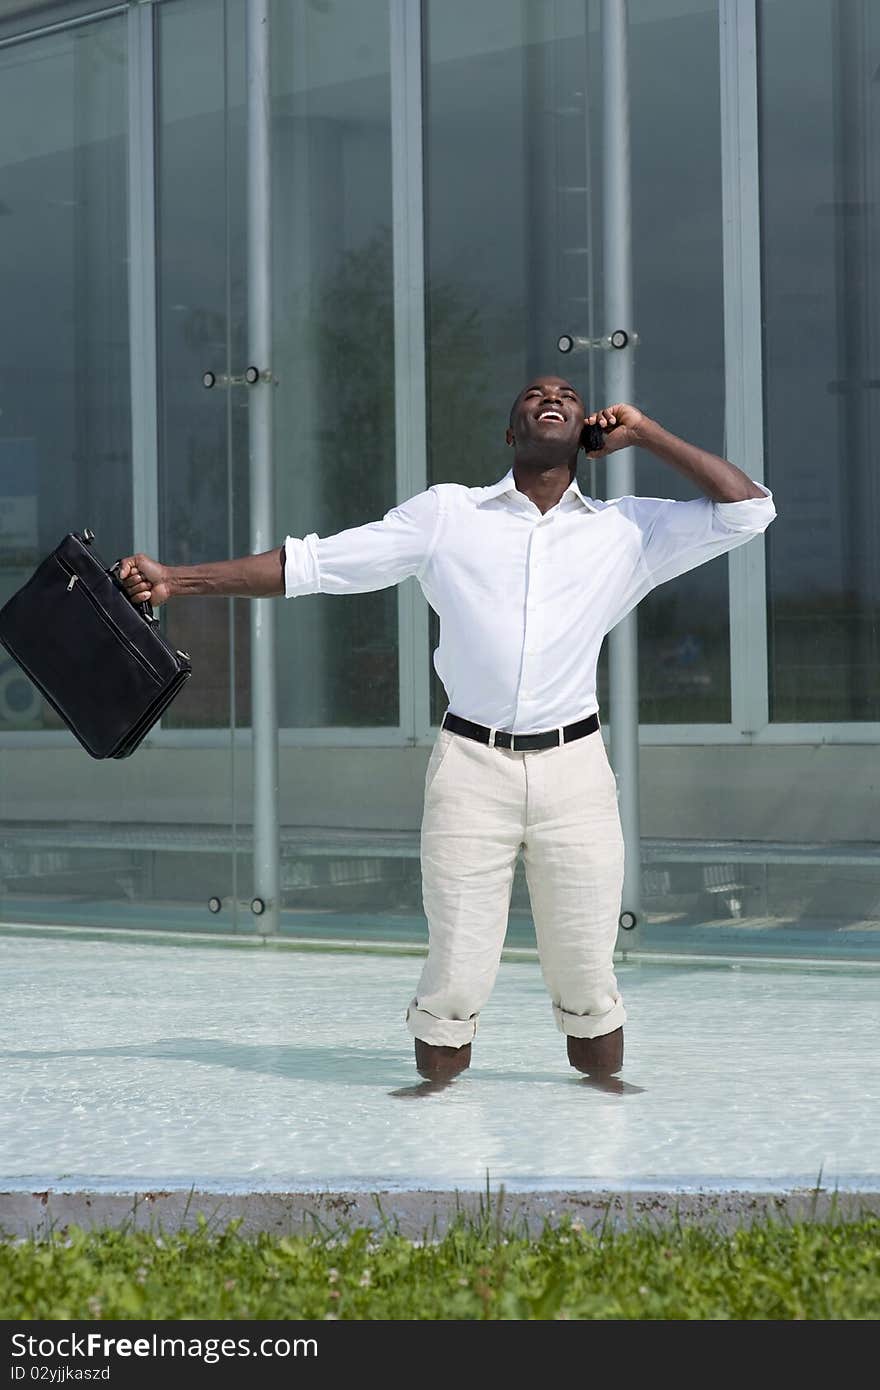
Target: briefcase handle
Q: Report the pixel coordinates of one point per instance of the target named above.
(145, 608)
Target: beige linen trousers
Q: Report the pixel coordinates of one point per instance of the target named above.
(482, 805)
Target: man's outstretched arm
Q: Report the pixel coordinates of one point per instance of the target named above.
(251, 576)
(355, 561)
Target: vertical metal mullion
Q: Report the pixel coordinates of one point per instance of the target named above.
(231, 602)
(142, 281)
(410, 407)
(264, 703)
(743, 373)
(623, 663)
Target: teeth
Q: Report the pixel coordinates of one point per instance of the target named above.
(551, 415)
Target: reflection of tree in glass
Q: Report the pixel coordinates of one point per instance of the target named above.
(351, 333)
(470, 389)
(347, 336)
(193, 469)
(204, 500)
(193, 506)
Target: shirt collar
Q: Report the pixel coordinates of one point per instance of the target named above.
(508, 484)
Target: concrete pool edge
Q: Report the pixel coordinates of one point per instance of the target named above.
(417, 1214)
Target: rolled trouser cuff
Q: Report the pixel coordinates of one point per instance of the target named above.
(440, 1032)
(590, 1025)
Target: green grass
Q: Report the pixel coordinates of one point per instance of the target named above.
(478, 1269)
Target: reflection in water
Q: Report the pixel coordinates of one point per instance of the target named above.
(612, 1085)
(422, 1088)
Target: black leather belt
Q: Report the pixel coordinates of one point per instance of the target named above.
(520, 743)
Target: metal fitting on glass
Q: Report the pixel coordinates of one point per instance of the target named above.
(570, 342)
(249, 377)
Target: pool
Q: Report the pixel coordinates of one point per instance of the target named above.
(130, 1063)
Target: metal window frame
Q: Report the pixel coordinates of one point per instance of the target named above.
(743, 366)
(660, 735)
(142, 277)
(410, 404)
(72, 22)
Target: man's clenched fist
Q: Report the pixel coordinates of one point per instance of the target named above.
(145, 580)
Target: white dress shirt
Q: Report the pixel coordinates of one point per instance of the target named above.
(524, 599)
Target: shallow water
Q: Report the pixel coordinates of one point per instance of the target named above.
(129, 1065)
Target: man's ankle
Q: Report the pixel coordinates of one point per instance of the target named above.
(438, 1063)
(602, 1056)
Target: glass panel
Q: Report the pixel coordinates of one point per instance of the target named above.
(202, 326)
(506, 211)
(202, 853)
(65, 438)
(65, 313)
(334, 345)
(820, 193)
(514, 259)
(684, 630)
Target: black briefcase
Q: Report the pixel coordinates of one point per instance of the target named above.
(97, 657)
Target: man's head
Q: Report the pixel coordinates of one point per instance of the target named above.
(546, 422)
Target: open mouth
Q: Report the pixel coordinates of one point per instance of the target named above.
(556, 415)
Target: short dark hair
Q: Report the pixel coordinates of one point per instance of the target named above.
(526, 387)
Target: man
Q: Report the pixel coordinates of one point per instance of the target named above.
(527, 577)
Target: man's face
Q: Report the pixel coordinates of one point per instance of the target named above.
(548, 417)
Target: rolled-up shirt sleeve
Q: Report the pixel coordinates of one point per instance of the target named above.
(677, 536)
(364, 558)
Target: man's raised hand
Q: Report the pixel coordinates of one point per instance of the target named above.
(621, 423)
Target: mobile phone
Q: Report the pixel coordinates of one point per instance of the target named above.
(592, 438)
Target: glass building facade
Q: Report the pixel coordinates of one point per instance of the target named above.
(435, 171)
